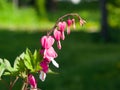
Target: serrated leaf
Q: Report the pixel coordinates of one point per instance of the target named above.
(17, 61)
(37, 60)
(2, 68)
(28, 60)
(21, 65)
(8, 66)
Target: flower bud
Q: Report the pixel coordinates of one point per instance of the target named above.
(32, 81)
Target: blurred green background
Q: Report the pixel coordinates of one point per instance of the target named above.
(90, 56)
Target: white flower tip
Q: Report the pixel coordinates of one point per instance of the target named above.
(55, 63)
(42, 76)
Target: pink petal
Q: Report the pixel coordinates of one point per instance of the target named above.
(44, 66)
(50, 53)
(68, 30)
(69, 22)
(57, 34)
(59, 45)
(62, 26)
(62, 35)
(32, 81)
(47, 41)
(82, 22)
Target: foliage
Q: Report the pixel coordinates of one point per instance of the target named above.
(114, 12)
(26, 62)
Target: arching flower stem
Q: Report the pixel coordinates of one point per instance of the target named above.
(61, 18)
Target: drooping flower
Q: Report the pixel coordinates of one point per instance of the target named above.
(45, 65)
(47, 41)
(57, 35)
(42, 75)
(32, 81)
(82, 22)
(69, 23)
(73, 23)
(50, 53)
(62, 26)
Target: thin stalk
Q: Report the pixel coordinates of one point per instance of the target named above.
(13, 83)
(61, 18)
(23, 86)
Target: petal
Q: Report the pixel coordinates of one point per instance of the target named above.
(69, 22)
(68, 30)
(62, 26)
(57, 34)
(32, 81)
(58, 44)
(55, 63)
(33, 89)
(50, 53)
(42, 76)
(73, 23)
(44, 64)
(82, 22)
(63, 36)
(47, 41)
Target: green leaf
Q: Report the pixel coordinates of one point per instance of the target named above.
(37, 59)
(19, 64)
(28, 60)
(8, 66)
(2, 67)
(1, 61)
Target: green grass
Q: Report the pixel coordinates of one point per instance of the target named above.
(84, 63)
(26, 18)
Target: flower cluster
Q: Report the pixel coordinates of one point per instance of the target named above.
(47, 51)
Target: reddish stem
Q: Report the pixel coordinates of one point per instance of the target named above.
(61, 18)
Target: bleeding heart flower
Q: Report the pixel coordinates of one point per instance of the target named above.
(62, 26)
(47, 41)
(73, 23)
(50, 53)
(82, 22)
(69, 23)
(32, 81)
(45, 65)
(57, 35)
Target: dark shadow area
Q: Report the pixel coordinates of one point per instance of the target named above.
(86, 63)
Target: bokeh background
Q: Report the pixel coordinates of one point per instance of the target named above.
(90, 55)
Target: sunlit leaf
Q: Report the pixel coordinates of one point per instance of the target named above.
(2, 69)
(28, 60)
(8, 66)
